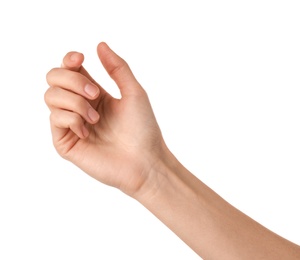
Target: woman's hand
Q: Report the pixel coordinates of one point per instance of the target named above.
(116, 141)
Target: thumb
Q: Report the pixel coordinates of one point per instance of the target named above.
(118, 70)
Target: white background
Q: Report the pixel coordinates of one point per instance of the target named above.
(223, 79)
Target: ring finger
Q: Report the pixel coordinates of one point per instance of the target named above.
(62, 99)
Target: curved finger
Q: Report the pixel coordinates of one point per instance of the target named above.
(58, 98)
(62, 121)
(72, 61)
(72, 81)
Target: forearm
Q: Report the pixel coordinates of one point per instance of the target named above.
(212, 227)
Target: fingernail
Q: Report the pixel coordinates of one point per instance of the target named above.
(91, 90)
(85, 132)
(93, 115)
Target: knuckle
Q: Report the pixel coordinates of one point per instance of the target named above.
(75, 120)
(49, 75)
(48, 96)
(53, 116)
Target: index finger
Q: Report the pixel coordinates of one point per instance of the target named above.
(72, 61)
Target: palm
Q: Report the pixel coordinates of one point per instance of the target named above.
(110, 152)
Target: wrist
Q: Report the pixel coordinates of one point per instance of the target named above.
(166, 178)
(158, 175)
(174, 196)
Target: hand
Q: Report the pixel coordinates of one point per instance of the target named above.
(116, 141)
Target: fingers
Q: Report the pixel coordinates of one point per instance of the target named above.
(72, 81)
(118, 70)
(61, 99)
(73, 93)
(68, 100)
(73, 61)
(62, 121)
(69, 111)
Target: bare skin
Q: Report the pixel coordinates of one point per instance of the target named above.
(119, 143)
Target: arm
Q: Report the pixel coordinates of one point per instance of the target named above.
(212, 227)
(119, 143)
